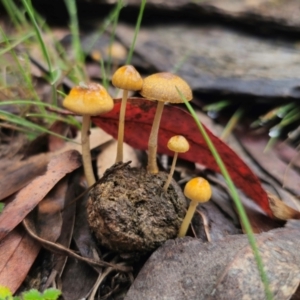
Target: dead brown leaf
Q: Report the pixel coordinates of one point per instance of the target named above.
(49, 219)
(107, 158)
(34, 192)
(18, 251)
(270, 162)
(68, 219)
(19, 173)
(77, 280)
(281, 210)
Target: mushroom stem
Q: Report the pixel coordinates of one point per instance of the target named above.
(86, 152)
(188, 218)
(119, 157)
(171, 172)
(152, 144)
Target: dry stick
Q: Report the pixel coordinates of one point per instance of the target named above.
(121, 127)
(100, 279)
(57, 248)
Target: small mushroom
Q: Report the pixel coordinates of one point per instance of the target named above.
(162, 87)
(198, 191)
(178, 144)
(128, 79)
(88, 100)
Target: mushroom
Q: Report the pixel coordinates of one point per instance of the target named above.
(198, 191)
(88, 100)
(178, 144)
(163, 88)
(126, 78)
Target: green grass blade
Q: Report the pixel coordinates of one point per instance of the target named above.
(137, 29)
(69, 119)
(24, 73)
(31, 14)
(181, 61)
(21, 121)
(76, 43)
(237, 201)
(16, 43)
(105, 82)
(217, 106)
(119, 7)
(232, 123)
(15, 14)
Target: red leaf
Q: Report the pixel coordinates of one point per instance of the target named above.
(175, 121)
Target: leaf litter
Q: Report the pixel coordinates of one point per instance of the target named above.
(16, 210)
(65, 251)
(84, 239)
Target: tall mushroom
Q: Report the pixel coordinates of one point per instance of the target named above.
(198, 190)
(88, 100)
(162, 87)
(178, 144)
(128, 79)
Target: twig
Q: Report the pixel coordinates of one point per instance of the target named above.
(205, 224)
(57, 248)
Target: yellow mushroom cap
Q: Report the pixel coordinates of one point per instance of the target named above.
(91, 99)
(127, 78)
(178, 143)
(198, 189)
(162, 87)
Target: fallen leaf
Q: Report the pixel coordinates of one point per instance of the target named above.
(281, 210)
(269, 161)
(190, 269)
(19, 173)
(68, 218)
(97, 136)
(18, 252)
(175, 121)
(49, 217)
(107, 157)
(82, 235)
(34, 192)
(46, 142)
(77, 280)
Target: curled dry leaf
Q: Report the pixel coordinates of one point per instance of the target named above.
(35, 191)
(139, 116)
(281, 210)
(190, 269)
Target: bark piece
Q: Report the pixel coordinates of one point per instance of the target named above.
(219, 60)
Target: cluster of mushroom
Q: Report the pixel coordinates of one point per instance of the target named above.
(93, 99)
